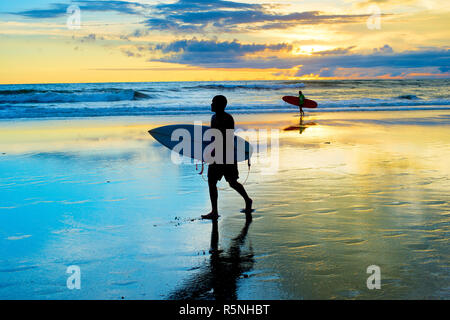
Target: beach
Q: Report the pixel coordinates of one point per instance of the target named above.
(349, 190)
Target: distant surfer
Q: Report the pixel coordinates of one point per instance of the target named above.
(223, 121)
(301, 99)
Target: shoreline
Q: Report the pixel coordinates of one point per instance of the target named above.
(160, 118)
(308, 112)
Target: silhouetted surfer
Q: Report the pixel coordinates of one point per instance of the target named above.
(222, 121)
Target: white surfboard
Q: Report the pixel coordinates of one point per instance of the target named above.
(196, 139)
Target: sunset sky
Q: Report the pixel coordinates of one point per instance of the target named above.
(182, 40)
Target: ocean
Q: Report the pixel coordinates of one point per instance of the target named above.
(31, 101)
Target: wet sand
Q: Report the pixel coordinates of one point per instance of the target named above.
(351, 189)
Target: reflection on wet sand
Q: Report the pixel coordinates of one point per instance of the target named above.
(218, 278)
(302, 126)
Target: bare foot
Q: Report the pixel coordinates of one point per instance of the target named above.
(211, 216)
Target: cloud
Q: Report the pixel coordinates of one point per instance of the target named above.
(88, 38)
(138, 33)
(334, 51)
(227, 16)
(386, 49)
(383, 60)
(181, 6)
(200, 16)
(212, 52)
(235, 55)
(60, 9)
(56, 10)
(130, 53)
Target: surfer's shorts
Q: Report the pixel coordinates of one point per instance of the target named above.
(217, 171)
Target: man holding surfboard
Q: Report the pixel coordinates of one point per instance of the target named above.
(223, 121)
(301, 102)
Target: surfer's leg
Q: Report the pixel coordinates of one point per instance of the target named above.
(241, 190)
(214, 214)
(212, 184)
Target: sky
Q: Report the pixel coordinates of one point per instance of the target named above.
(58, 41)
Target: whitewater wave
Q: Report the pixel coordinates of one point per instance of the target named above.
(67, 96)
(394, 102)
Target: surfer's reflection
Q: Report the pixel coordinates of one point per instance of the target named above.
(218, 278)
(301, 126)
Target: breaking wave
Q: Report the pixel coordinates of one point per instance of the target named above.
(66, 96)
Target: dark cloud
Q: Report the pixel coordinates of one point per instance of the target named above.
(56, 10)
(199, 15)
(326, 72)
(386, 49)
(211, 52)
(182, 6)
(439, 59)
(60, 9)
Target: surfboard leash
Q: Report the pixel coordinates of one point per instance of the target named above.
(203, 167)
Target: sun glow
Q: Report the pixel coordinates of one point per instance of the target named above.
(309, 50)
